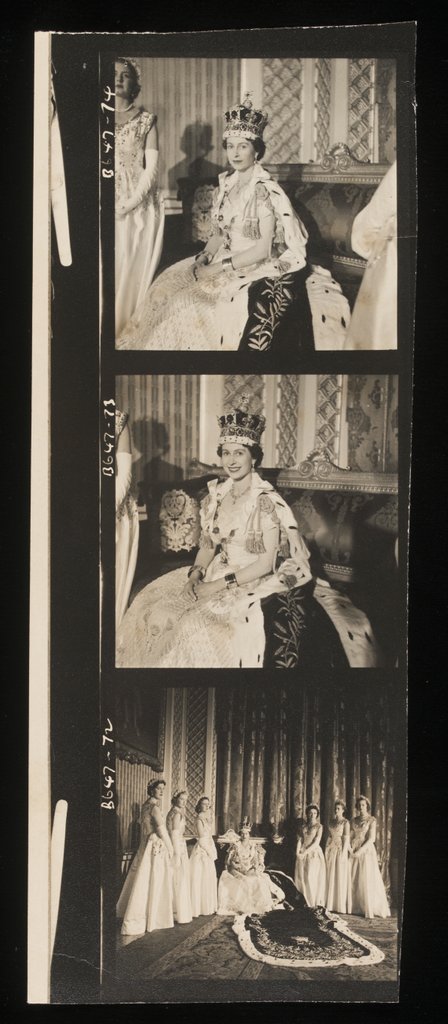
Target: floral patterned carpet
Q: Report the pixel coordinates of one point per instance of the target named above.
(208, 949)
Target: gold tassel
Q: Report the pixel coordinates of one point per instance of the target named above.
(251, 228)
(250, 542)
(259, 547)
(284, 545)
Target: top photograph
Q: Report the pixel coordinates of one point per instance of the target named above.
(255, 204)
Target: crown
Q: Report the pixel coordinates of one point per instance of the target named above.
(246, 824)
(243, 119)
(241, 425)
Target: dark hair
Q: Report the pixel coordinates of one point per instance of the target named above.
(254, 449)
(258, 144)
(135, 84)
(201, 801)
(152, 786)
(362, 797)
(312, 807)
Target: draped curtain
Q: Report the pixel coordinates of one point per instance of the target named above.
(280, 749)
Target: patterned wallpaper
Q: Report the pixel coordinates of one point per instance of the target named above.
(328, 411)
(282, 101)
(239, 384)
(387, 109)
(361, 107)
(372, 415)
(322, 86)
(288, 406)
(189, 96)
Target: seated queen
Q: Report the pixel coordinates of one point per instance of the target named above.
(211, 615)
(244, 886)
(202, 303)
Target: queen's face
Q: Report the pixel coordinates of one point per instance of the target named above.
(240, 153)
(236, 460)
(123, 81)
(244, 833)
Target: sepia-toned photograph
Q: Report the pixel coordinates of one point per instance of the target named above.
(202, 827)
(263, 537)
(265, 843)
(255, 204)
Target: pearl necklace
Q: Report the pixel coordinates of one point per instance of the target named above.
(125, 109)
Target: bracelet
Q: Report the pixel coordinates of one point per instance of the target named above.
(196, 568)
(231, 581)
(227, 263)
(208, 257)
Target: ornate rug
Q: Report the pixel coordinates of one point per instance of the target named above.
(296, 934)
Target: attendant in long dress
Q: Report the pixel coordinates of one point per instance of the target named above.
(309, 873)
(175, 823)
(367, 892)
(211, 615)
(126, 517)
(202, 864)
(139, 211)
(146, 900)
(244, 886)
(336, 860)
(373, 323)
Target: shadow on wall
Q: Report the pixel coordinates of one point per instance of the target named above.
(197, 144)
(151, 439)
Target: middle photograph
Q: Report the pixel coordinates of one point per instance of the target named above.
(256, 521)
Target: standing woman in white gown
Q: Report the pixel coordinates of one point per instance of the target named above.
(175, 823)
(139, 211)
(146, 899)
(126, 517)
(309, 874)
(367, 893)
(204, 886)
(336, 859)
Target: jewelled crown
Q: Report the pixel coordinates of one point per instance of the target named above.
(246, 824)
(241, 425)
(243, 119)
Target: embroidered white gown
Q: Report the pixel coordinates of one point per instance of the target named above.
(179, 312)
(309, 874)
(175, 823)
(139, 234)
(164, 628)
(146, 900)
(126, 525)
(244, 887)
(367, 893)
(202, 870)
(336, 860)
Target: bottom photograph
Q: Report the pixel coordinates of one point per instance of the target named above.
(260, 839)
